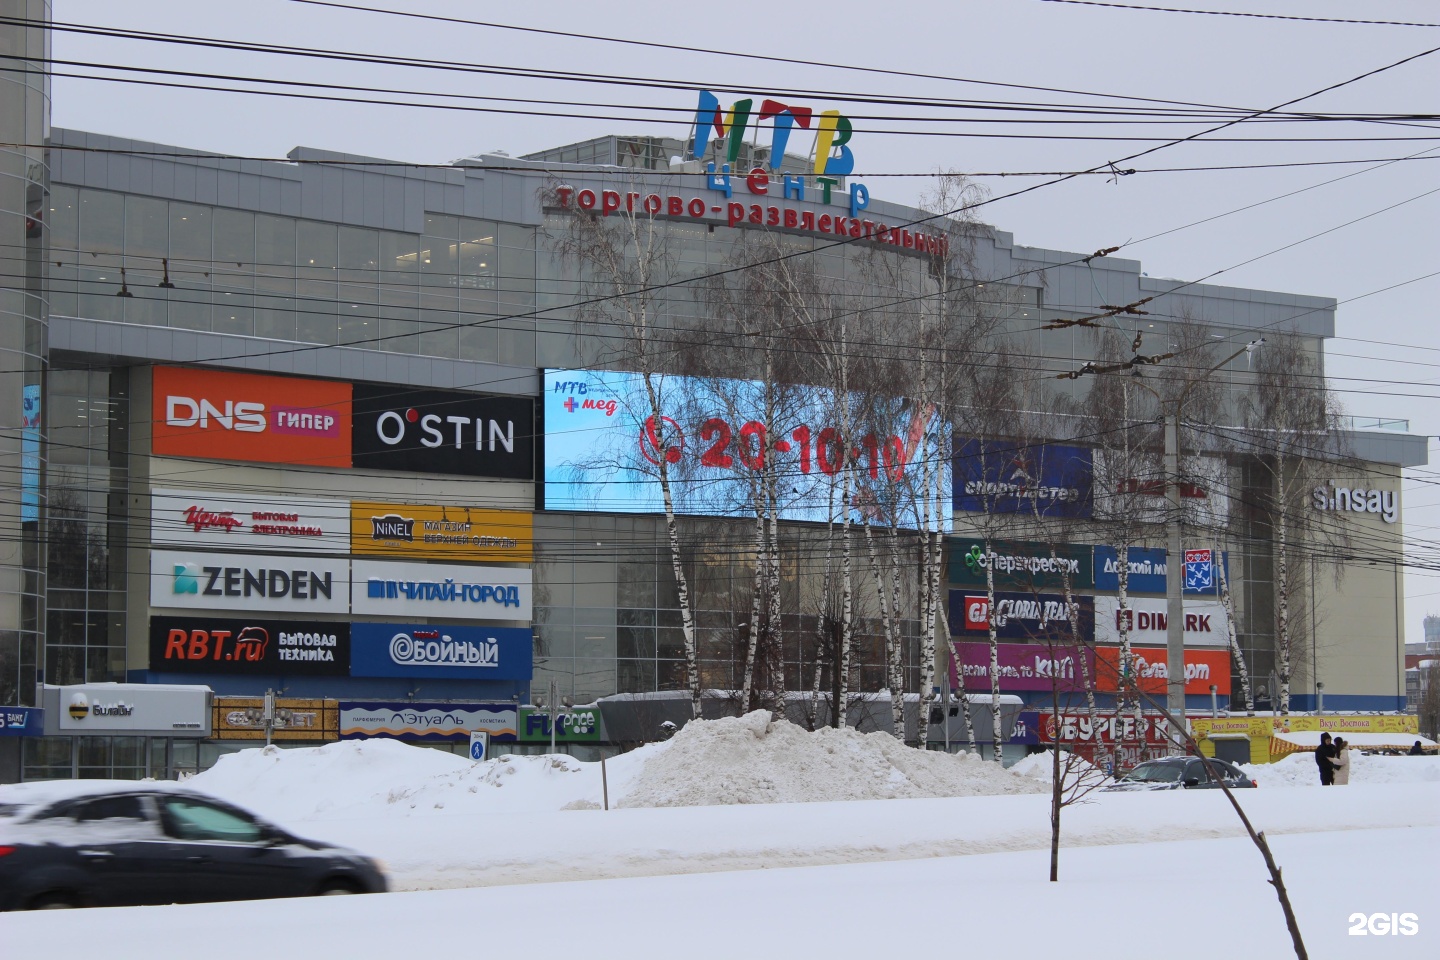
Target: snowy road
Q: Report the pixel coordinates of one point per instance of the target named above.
(957, 858)
(466, 850)
(1181, 900)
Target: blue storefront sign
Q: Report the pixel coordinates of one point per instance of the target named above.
(1047, 479)
(1148, 569)
(21, 721)
(441, 650)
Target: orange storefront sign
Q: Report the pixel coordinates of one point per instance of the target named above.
(1202, 668)
(247, 416)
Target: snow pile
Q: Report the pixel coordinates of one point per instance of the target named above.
(749, 759)
(1299, 770)
(387, 777)
(1073, 767)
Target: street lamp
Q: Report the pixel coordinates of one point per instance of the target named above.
(1174, 601)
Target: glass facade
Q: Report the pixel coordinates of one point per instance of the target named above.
(24, 178)
(462, 289)
(88, 419)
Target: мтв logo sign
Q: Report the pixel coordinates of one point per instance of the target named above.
(833, 131)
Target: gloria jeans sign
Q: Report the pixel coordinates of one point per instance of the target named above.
(201, 644)
(453, 651)
(237, 581)
(432, 431)
(1020, 616)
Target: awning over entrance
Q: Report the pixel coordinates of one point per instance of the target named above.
(1283, 742)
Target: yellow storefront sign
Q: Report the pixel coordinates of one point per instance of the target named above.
(441, 532)
(243, 718)
(1260, 730)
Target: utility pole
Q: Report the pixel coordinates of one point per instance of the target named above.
(1174, 570)
(554, 708)
(1174, 534)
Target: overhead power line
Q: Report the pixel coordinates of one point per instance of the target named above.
(1229, 13)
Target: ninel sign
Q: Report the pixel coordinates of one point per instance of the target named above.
(441, 532)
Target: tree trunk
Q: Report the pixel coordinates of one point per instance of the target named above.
(1235, 651)
(672, 530)
(1057, 798)
(995, 721)
(747, 683)
(887, 627)
(1282, 592)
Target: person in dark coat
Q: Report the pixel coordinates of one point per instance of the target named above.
(1417, 750)
(1324, 758)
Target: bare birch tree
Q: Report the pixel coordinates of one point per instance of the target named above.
(1292, 425)
(622, 261)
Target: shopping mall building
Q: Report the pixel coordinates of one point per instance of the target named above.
(317, 427)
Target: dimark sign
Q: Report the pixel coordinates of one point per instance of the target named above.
(441, 532)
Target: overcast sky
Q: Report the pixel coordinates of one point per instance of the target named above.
(1386, 358)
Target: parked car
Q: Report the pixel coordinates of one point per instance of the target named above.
(1180, 773)
(79, 843)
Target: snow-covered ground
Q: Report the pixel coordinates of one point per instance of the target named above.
(882, 838)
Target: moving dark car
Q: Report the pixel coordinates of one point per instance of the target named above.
(1181, 773)
(128, 845)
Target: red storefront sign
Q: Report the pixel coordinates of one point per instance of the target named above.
(1202, 668)
(1128, 739)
